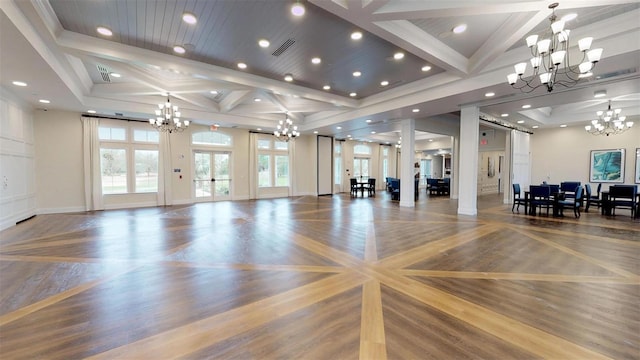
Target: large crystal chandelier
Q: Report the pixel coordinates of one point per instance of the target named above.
(609, 122)
(285, 130)
(168, 118)
(550, 61)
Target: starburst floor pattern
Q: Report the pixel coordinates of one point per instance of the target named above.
(320, 278)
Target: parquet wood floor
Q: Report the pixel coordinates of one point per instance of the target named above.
(320, 278)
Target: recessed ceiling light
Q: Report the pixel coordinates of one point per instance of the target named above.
(569, 17)
(259, 129)
(316, 60)
(526, 106)
(242, 65)
(353, 94)
(288, 77)
(430, 140)
(315, 131)
(357, 73)
(356, 35)
(179, 49)
(398, 55)
(295, 96)
(264, 43)
(339, 127)
(426, 68)
(368, 120)
(115, 75)
(384, 83)
(490, 94)
(563, 126)
(189, 18)
(416, 110)
(373, 132)
(91, 111)
(44, 101)
(297, 9)
(520, 121)
(19, 83)
(214, 92)
(349, 135)
(534, 126)
(104, 31)
(257, 99)
(326, 87)
(459, 29)
(504, 115)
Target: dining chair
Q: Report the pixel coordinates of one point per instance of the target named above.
(540, 198)
(371, 187)
(517, 198)
(354, 187)
(574, 202)
(623, 196)
(590, 198)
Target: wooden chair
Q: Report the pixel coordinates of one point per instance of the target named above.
(517, 198)
(371, 187)
(354, 187)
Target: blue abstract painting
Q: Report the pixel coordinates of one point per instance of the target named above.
(607, 166)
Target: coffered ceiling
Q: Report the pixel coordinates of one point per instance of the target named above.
(54, 47)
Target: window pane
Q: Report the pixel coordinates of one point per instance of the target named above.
(356, 167)
(264, 174)
(264, 144)
(150, 136)
(107, 133)
(282, 170)
(211, 138)
(385, 151)
(385, 168)
(337, 148)
(281, 145)
(146, 170)
(338, 171)
(113, 164)
(361, 149)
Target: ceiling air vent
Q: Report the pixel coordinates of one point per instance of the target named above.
(287, 44)
(104, 73)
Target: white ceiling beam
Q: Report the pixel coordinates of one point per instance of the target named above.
(424, 45)
(412, 10)
(234, 99)
(515, 28)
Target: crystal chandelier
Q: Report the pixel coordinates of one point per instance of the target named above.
(609, 122)
(285, 130)
(550, 61)
(168, 118)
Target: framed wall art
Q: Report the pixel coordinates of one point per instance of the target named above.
(607, 166)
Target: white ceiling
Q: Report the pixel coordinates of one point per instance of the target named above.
(53, 46)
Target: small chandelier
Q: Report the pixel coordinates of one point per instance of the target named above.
(550, 61)
(609, 122)
(168, 118)
(285, 130)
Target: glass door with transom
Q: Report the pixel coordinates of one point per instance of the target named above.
(212, 180)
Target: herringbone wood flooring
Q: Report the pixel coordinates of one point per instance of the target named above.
(320, 278)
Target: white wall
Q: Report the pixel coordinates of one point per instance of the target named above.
(17, 165)
(563, 154)
(59, 180)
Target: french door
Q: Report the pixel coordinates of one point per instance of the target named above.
(212, 180)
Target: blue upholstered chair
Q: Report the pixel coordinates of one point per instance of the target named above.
(540, 197)
(590, 198)
(623, 196)
(574, 202)
(517, 198)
